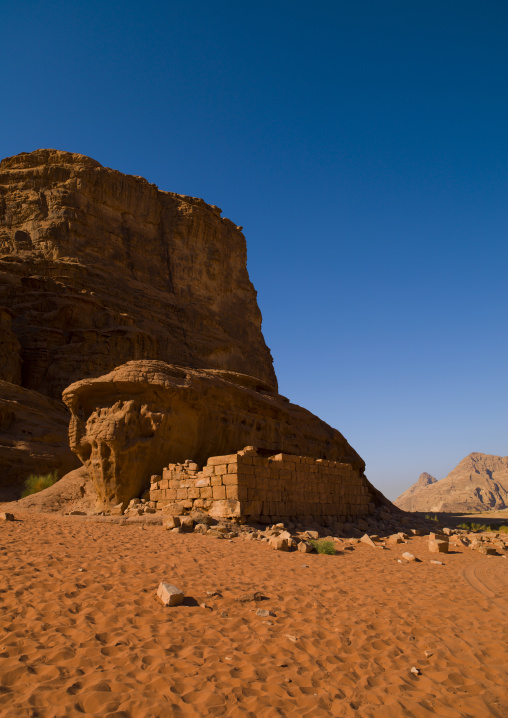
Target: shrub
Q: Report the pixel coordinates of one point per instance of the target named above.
(326, 547)
(36, 483)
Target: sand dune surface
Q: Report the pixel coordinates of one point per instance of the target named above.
(82, 632)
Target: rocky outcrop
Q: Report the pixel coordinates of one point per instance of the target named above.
(74, 492)
(98, 268)
(132, 422)
(33, 438)
(478, 483)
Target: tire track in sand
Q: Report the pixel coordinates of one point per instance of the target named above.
(490, 578)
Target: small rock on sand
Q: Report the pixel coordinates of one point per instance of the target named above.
(6, 517)
(438, 546)
(438, 563)
(408, 556)
(415, 671)
(367, 539)
(170, 595)
(265, 614)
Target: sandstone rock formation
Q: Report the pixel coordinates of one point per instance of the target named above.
(132, 422)
(33, 438)
(478, 483)
(98, 268)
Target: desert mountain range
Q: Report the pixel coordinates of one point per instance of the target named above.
(478, 483)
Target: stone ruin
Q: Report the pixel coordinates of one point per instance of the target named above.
(266, 490)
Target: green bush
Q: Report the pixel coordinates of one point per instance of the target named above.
(473, 526)
(431, 518)
(36, 483)
(326, 547)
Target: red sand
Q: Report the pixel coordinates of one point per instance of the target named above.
(97, 642)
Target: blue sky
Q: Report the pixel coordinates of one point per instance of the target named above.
(363, 147)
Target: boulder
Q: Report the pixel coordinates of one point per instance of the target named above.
(438, 546)
(126, 426)
(170, 595)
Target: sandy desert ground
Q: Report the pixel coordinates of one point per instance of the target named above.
(82, 633)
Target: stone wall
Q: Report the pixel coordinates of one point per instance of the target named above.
(264, 488)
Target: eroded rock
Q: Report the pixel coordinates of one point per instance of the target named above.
(126, 426)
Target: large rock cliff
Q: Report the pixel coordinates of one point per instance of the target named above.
(98, 268)
(478, 483)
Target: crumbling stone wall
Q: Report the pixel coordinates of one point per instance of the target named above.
(264, 488)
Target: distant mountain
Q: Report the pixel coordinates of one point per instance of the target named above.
(478, 483)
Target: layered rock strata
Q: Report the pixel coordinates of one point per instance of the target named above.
(98, 268)
(478, 483)
(129, 424)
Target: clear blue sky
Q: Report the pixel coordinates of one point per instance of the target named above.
(362, 145)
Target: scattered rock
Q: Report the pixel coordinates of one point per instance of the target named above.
(487, 550)
(415, 671)
(170, 595)
(437, 563)
(428, 654)
(305, 547)
(367, 539)
(247, 597)
(6, 517)
(264, 613)
(438, 546)
(408, 556)
(293, 639)
(171, 522)
(186, 524)
(279, 544)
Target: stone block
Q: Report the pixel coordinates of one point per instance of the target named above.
(232, 468)
(227, 508)
(171, 522)
(227, 459)
(220, 469)
(230, 479)
(170, 595)
(438, 546)
(181, 494)
(219, 492)
(232, 492)
(206, 492)
(186, 524)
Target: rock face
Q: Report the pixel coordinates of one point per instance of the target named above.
(478, 483)
(98, 268)
(33, 438)
(74, 492)
(406, 498)
(132, 422)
